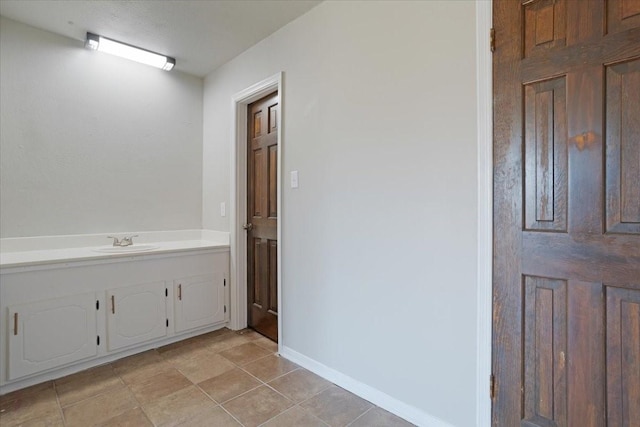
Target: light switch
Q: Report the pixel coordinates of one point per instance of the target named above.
(294, 179)
(223, 209)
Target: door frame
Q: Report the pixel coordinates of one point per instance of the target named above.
(484, 92)
(238, 206)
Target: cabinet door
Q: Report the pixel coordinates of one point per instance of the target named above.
(48, 334)
(199, 301)
(136, 314)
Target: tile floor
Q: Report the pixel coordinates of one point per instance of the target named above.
(223, 378)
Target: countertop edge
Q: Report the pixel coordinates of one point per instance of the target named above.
(53, 257)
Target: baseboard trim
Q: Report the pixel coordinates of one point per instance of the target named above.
(383, 400)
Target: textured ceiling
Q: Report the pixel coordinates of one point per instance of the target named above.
(200, 34)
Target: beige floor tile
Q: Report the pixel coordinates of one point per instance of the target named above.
(131, 418)
(229, 385)
(257, 406)
(48, 421)
(18, 394)
(214, 335)
(162, 384)
(99, 408)
(300, 385)
(174, 346)
(86, 384)
(227, 342)
(142, 373)
(378, 417)
(295, 417)
(249, 333)
(137, 360)
(245, 353)
(270, 367)
(267, 344)
(336, 406)
(178, 407)
(203, 366)
(214, 417)
(19, 407)
(185, 352)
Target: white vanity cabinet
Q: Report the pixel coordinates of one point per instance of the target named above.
(201, 300)
(61, 317)
(51, 333)
(136, 314)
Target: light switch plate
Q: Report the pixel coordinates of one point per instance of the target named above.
(223, 209)
(294, 179)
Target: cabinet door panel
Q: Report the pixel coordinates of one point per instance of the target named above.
(199, 301)
(52, 333)
(136, 314)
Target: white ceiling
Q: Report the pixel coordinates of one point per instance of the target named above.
(200, 34)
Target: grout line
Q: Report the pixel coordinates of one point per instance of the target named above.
(361, 415)
(218, 403)
(241, 394)
(55, 390)
(107, 390)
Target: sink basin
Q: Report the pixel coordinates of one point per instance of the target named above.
(125, 249)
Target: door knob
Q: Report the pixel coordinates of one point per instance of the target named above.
(248, 227)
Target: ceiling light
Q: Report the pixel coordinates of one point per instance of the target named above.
(103, 44)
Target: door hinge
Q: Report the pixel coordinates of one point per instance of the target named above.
(492, 386)
(97, 304)
(98, 340)
(225, 308)
(492, 39)
(167, 323)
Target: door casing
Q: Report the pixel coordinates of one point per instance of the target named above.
(238, 205)
(484, 94)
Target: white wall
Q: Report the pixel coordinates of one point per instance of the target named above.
(93, 143)
(379, 241)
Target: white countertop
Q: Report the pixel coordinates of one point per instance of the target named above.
(46, 250)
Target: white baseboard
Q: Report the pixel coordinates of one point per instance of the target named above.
(378, 398)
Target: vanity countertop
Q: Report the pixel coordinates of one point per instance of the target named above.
(46, 250)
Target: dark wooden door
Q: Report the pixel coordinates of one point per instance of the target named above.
(262, 215)
(566, 303)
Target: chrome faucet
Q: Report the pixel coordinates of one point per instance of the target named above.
(125, 241)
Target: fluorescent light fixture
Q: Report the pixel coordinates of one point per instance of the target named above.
(103, 44)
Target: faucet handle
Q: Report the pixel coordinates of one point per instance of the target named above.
(127, 241)
(116, 242)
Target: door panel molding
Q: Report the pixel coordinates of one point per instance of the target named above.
(238, 205)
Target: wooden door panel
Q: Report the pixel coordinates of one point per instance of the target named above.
(545, 26)
(566, 344)
(623, 355)
(546, 164)
(623, 150)
(545, 351)
(257, 272)
(257, 124)
(262, 212)
(273, 182)
(273, 275)
(586, 354)
(622, 15)
(258, 176)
